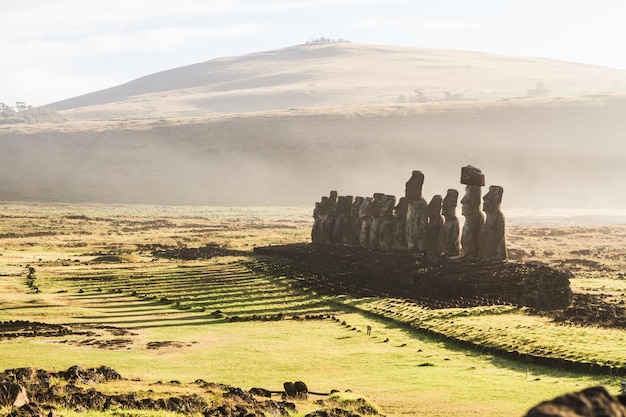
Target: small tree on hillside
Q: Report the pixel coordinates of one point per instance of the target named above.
(24, 113)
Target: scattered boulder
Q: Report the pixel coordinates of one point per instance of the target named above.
(261, 392)
(29, 410)
(301, 389)
(91, 375)
(12, 394)
(590, 402)
(290, 389)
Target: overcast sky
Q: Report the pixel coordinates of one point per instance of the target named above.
(56, 49)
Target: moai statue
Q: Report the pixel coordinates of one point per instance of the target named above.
(340, 217)
(434, 228)
(346, 221)
(470, 204)
(329, 222)
(492, 234)
(387, 229)
(317, 221)
(376, 220)
(450, 242)
(355, 221)
(416, 215)
(365, 214)
(399, 215)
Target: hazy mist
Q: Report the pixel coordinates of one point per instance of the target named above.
(544, 152)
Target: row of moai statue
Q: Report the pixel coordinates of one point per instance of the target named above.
(413, 224)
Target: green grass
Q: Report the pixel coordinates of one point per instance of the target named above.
(507, 328)
(386, 366)
(173, 304)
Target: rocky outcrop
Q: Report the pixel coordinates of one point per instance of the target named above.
(30, 392)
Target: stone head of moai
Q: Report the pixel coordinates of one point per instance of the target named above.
(388, 202)
(365, 208)
(493, 199)
(401, 208)
(414, 186)
(470, 203)
(450, 202)
(473, 179)
(434, 207)
(323, 208)
(344, 205)
(356, 205)
(376, 204)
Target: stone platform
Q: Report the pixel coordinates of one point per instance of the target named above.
(400, 274)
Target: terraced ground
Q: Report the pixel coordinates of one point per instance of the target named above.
(223, 289)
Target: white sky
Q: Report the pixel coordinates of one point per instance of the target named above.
(56, 49)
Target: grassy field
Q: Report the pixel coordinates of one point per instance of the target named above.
(159, 319)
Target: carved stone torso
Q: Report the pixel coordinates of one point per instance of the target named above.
(493, 235)
(399, 215)
(434, 228)
(376, 221)
(474, 220)
(365, 214)
(450, 242)
(416, 221)
(387, 232)
(355, 221)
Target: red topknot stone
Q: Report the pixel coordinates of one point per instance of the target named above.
(471, 175)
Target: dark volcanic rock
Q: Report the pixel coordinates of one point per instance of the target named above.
(591, 402)
(12, 394)
(101, 374)
(414, 276)
(35, 395)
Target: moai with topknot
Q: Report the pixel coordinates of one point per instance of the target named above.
(473, 178)
(493, 235)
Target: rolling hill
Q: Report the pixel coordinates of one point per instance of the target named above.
(338, 74)
(284, 127)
